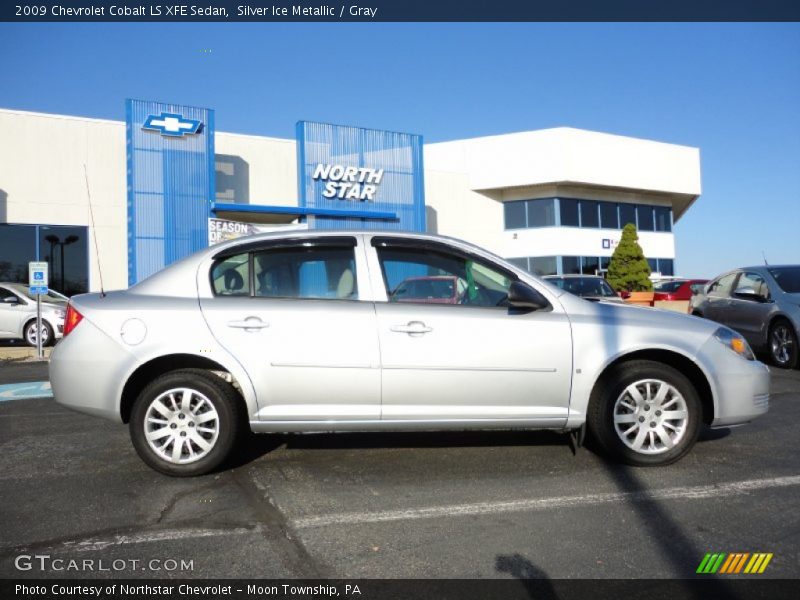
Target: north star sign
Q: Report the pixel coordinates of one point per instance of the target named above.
(172, 124)
(348, 183)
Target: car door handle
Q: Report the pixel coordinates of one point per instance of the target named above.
(412, 327)
(249, 323)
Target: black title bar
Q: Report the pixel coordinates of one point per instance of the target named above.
(399, 10)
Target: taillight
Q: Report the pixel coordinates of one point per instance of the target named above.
(71, 320)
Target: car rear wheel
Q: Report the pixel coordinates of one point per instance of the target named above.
(186, 422)
(31, 333)
(783, 345)
(645, 413)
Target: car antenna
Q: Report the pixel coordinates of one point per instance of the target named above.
(94, 230)
(765, 258)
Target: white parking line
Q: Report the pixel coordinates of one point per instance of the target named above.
(485, 508)
(99, 543)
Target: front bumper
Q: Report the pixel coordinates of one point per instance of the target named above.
(741, 387)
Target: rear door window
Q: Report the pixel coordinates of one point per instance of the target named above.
(306, 272)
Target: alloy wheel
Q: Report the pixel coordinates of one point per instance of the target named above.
(782, 344)
(181, 425)
(31, 334)
(650, 416)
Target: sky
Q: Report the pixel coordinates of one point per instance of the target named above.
(732, 90)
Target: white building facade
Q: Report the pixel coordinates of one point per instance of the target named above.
(552, 201)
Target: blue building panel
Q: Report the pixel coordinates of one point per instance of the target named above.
(170, 152)
(364, 171)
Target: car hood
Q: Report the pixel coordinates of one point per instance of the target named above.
(622, 314)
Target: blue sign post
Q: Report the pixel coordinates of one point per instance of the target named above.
(38, 275)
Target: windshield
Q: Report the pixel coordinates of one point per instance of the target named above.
(668, 286)
(584, 286)
(787, 278)
(49, 298)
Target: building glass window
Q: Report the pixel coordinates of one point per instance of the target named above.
(590, 265)
(515, 215)
(604, 262)
(663, 218)
(571, 265)
(627, 214)
(63, 248)
(569, 212)
(544, 265)
(542, 213)
(522, 262)
(609, 219)
(644, 215)
(589, 213)
(17, 248)
(653, 262)
(666, 266)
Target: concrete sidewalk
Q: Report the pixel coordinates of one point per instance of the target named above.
(21, 353)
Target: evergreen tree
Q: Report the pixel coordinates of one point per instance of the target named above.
(629, 269)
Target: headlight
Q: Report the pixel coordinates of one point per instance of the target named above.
(735, 342)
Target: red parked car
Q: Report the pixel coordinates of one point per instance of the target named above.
(677, 289)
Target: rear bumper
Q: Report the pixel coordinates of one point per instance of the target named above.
(741, 386)
(87, 370)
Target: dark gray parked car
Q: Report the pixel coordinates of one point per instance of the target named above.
(761, 303)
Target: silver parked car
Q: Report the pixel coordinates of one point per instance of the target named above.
(18, 315)
(761, 303)
(303, 332)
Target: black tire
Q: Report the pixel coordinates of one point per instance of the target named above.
(612, 386)
(230, 423)
(30, 330)
(777, 331)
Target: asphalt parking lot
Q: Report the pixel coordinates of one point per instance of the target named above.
(421, 505)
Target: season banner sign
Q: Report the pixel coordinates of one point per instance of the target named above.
(401, 10)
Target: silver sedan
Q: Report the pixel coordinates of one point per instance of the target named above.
(18, 315)
(303, 332)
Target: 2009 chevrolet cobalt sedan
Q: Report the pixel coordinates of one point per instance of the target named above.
(305, 332)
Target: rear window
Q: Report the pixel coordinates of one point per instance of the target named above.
(231, 276)
(668, 286)
(787, 278)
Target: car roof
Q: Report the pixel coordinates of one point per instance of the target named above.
(765, 267)
(572, 276)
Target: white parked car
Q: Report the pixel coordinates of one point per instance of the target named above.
(301, 332)
(18, 315)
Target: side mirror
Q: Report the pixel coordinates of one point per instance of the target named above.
(521, 295)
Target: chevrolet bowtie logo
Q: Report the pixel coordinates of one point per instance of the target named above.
(171, 124)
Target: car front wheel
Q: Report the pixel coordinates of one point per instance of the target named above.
(645, 413)
(186, 422)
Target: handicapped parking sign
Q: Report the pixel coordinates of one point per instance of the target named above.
(37, 277)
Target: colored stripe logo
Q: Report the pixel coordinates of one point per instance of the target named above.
(734, 563)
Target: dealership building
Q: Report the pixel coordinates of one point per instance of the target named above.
(132, 196)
